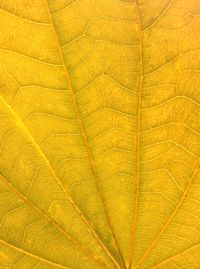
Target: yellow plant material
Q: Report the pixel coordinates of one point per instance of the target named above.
(99, 134)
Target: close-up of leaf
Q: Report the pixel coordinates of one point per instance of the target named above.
(99, 134)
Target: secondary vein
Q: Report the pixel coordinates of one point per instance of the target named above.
(57, 265)
(155, 241)
(88, 150)
(138, 134)
(21, 124)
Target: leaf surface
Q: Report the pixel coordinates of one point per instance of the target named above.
(99, 134)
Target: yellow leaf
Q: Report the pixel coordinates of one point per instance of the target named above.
(99, 134)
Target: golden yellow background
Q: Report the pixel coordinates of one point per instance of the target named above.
(99, 134)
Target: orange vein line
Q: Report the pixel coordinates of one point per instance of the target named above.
(60, 229)
(89, 153)
(21, 124)
(146, 254)
(138, 134)
(173, 257)
(33, 255)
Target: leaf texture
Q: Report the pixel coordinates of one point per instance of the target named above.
(99, 134)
